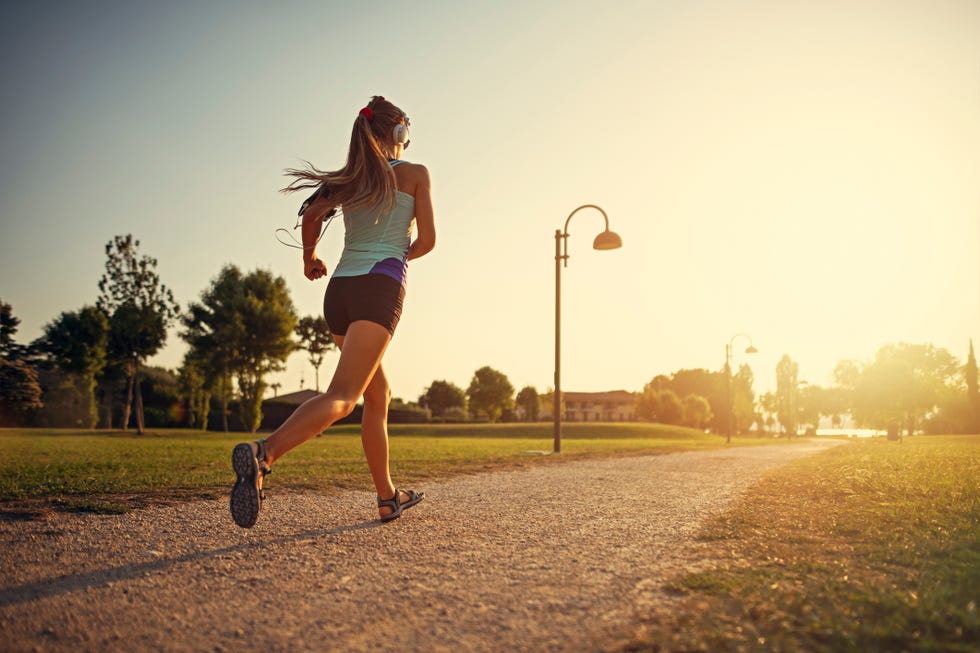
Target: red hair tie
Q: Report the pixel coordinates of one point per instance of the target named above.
(368, 113)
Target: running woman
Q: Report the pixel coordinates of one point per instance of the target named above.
(382, 197)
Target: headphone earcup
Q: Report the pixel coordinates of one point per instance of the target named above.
(400, 134)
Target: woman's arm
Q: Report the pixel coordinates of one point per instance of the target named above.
(424, 216)
(313, 267)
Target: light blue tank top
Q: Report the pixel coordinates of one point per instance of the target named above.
(376, 242)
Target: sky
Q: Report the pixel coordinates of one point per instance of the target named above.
(806, 173)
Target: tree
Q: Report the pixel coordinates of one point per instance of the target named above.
(903, 384)
(9, 350)
(527, 399)
(193, 387)
(20, 392)
(442, 396)
(269, 319)
(846, 373)
(75, 344)
(315, 338)
(768, 407)
(242, 327)
(670, 410)
(787, 390)
(810, 405)
(490, 393)
(697, 411)
(743, 399)
(213, 330)
(161, 397)
(658, 403)
(20, 387)
(646, 404)
(710, 385)
(817, 402)
(140, 309)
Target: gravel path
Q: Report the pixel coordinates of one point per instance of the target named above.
(556, 558)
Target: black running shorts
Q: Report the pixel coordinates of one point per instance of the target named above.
(373, 297)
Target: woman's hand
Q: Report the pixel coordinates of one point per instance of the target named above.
(314, 268)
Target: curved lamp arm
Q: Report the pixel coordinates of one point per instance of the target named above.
(751, 348)
(586, 206)
(605, 240)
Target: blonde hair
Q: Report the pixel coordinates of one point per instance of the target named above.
(367, 179)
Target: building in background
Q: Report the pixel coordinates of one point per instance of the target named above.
(612, 406)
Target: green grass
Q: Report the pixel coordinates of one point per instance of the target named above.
(871, 546)
(123, 468)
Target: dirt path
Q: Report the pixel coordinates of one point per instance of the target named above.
(552, 559)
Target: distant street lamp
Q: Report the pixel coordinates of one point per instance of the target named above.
(728, 376)
(606, 240)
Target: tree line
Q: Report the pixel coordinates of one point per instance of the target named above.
(905, 388)
(89, 369)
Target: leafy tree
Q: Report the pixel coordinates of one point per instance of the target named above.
(658, 403)
(213, 328)
(743, 399)
(315, 338)
(75, 344)
(20, 391)
(646, 405)
(242, 327)
(456, 414)
(810, 405)
(111, 388)
(710, 385)
(269, 318)
(193, 387)
(903, 384)
(697, 411)
(140, 310)
(490, 393)
(768, 408)
(161, 397)
(670, 410)
(787, 394)
(20, 387)
(527, 399)
(846, 373)
(9, 350)
(817, 402)
(442, 396)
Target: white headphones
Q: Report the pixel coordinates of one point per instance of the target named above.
(400, 134)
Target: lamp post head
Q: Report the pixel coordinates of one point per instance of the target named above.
(607, 240)
(751, 350)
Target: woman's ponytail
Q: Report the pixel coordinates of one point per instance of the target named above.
(367, 179)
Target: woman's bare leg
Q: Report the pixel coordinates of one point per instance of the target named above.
(360, 356)
(374, 435)
(374, 432)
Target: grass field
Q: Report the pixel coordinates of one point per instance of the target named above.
(874, 546)
(111, 471)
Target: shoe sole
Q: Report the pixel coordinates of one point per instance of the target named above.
(244, 495)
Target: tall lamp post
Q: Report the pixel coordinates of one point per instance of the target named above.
(605, 240)
(728, 376)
